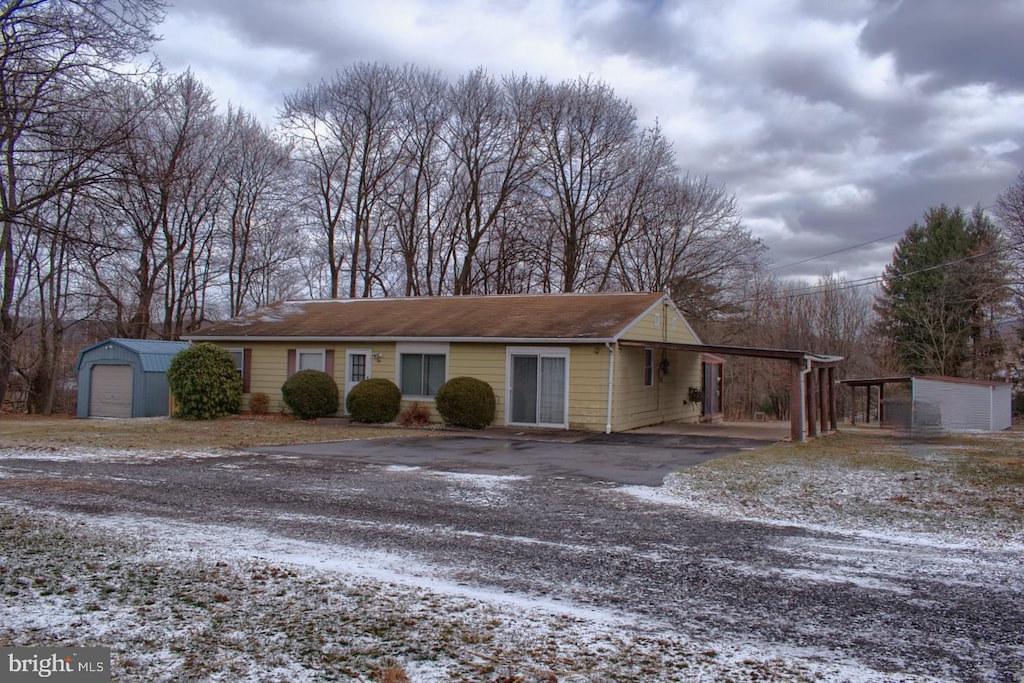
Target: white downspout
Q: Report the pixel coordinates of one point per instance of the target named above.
(803, 398)
(611, 385)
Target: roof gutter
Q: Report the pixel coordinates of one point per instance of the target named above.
(371, 339)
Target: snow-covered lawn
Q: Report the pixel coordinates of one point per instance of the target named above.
(967, 490)
(181, 601)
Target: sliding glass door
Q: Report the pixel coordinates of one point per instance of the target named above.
(538, 383)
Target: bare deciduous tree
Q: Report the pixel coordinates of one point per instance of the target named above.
(54, 54)
(585, 130)
(258, 227)
(160, 210)
(490, 135)
(346, 136)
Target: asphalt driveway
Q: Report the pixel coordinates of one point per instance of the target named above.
(616, 458)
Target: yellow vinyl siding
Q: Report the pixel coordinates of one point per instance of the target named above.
(588, 387)
(634, 404)
(662, 323)
(667, 400)
(270, 366)
(485, 362)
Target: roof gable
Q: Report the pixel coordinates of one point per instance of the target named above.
(582, 317)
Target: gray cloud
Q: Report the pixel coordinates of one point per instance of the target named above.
(835, 123)
(955, 42)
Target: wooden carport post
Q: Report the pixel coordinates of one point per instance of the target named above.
(823, 401)
(812, 404)
(833, 399)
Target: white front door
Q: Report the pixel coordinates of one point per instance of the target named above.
(358, 366)
(538, 382)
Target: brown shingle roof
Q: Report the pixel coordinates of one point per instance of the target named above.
(539, 316)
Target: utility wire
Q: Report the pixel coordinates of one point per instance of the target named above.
(833, 253)
(814, 290)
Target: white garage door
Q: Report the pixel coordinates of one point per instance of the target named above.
(110, 392)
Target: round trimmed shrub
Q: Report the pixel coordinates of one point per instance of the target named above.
(374, 401)
(466, 402)
(204, 382)
(310, 394)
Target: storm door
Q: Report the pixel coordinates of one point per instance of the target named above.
(357, 368)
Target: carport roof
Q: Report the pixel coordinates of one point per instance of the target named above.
(876, 381)
(818, 360)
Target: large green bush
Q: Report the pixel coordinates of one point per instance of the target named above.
(466, 402)
(310, 394)
(204, 382)
(374, 400)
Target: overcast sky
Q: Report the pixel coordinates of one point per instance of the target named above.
(833, 122)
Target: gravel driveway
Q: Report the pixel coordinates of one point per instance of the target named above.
(534, 524)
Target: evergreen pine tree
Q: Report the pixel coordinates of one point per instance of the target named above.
(942, 294)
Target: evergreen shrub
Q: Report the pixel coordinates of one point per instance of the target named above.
(466, 402)
(374, 401)
(204, 382)
(310, 394)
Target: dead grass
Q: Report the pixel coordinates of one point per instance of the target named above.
(168, 434)
(856, 450)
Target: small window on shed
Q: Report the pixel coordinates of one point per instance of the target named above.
(648, 367)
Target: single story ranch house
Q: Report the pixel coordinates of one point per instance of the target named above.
(597, 362)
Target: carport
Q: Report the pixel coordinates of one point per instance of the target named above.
(812, 382)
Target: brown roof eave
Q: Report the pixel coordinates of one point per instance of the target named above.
(414, 340)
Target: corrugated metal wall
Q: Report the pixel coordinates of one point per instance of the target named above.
(956, 406)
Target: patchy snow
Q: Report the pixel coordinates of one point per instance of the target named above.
(930, 507)
(185, 600)
(89, 454)
(183, 603)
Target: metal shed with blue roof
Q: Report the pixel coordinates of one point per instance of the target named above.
(125, 378)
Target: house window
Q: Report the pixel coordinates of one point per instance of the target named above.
(242, 358)
(310, 359)
(422, 374)
(648, 367)
(357, 368)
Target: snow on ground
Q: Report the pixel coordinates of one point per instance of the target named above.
(91, 454)
(180, 600)
(174, 601)
(932, 505)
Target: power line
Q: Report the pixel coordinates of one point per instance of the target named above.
(814, 290)
(833, 253)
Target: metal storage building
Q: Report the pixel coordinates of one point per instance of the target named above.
(936, 404)
(125, 378)
(953, 404)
